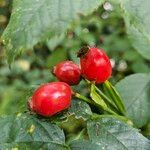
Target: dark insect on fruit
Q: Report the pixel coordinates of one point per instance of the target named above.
(95, 64)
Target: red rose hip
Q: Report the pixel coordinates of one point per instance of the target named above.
(67, 71)
(95, 64)
(50, 98)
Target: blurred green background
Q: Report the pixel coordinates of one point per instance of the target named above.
(105, 29)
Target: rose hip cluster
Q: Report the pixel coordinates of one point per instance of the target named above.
(51, 98)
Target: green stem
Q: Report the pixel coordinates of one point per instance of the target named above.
(117, 100)
(115, 104)
(83, 98)
(106, 98)
(109, 101)
(87, 100)
(111, 111)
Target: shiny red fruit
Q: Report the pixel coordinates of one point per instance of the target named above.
(95, 64)
(67, 71)
(51, 98)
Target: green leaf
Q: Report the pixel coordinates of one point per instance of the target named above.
(140, 66)
(131, 55)
(97, 98)
(73, 54)
(137, 19)
(9, 100)
(56, 57)
(99, 101)
(55, 41)
(80, 109)
(114, 95)
(35, 21)
(84, 145)
(112, 134)
(110, 103)
(135, 91)
(27, 132)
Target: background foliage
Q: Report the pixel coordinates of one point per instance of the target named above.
(118, 31)
(104, 28)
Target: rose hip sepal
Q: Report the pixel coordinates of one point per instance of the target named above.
(50, 98)
(95, 64)
(67, 71)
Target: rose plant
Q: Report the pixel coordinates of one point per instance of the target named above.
(106, 116)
